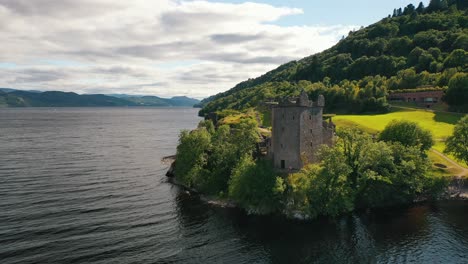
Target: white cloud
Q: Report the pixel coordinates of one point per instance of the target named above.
(111, 46)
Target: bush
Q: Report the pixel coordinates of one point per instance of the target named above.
(408, 134)
(457, 143)
(255, 187)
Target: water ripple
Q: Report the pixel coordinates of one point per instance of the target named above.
(86, 185)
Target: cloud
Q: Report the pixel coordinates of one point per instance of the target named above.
(39, 76)
(234, 38)
(122, 46)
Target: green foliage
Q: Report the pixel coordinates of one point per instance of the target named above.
(352, 142)
(457, 92)
(191, 155)
(457, 144)
(398, 174)
(458, 58)
(360, 173)
(208, 125)
(206, 156)
(407, 133)
(255, 186)
(318, 191)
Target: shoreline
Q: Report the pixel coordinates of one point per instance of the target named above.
(457, 190)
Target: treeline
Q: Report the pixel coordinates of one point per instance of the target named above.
(418, 46)
(366, 95)
(357, 172)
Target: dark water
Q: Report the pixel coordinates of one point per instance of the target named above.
(86, 185)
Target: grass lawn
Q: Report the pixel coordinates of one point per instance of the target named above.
(440, 124)
(442, 167)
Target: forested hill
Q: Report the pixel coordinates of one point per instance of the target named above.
(414, 47)
(17, 98)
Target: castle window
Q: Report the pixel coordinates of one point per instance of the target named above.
(283, 164)
(311, 144)
(311, 131)
(283, 116)
(293, 117)
(310, 117)
(282, 129)
(281, 145)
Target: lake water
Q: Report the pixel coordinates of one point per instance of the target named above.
(86, 185)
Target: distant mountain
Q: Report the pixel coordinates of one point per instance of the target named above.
(9, 90)
(183, 101)
(150, 101)
(17, 98)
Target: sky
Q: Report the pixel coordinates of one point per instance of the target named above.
(167, 47)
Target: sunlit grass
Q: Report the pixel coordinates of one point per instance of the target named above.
(440, 124)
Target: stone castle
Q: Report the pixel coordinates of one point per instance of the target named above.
(298, 130)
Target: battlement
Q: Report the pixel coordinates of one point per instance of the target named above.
(303, 101)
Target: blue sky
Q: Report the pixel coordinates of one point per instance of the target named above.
(167, 47)
(355, 12)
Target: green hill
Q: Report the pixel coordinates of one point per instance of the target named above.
(417, 46)
(17, 98)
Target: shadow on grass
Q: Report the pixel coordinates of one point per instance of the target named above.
(449, 118)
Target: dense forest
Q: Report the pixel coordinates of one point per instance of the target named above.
(414, 48)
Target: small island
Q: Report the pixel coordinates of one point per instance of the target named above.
(303, 168)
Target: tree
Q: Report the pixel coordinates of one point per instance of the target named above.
(436, 5)
(457, 92)
(458, 58)
(408, 134)
(461, 42)
(420, 8)
(353, 142)
(409, 9)
(254, 185)
(457, 143)
(191, 154)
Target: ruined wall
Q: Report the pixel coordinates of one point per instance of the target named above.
(285, 137)
(298, 131)
(311, 134)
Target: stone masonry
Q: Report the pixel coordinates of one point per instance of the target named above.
(298, 130)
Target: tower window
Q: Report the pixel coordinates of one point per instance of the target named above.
(281, 145)
(282, 129)
(283, 164)
(310, 117)
(283, 116)
(293, 117)
(311, 130)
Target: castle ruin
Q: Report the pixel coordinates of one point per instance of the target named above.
(298, 130)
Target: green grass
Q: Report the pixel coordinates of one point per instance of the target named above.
(440, 146)
(436, 107)
(440, 124)
(448, 170)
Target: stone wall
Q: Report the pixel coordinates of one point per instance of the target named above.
(428, 97)
(298, 131)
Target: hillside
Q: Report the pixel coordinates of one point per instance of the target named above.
(17, 98)
(417, 46)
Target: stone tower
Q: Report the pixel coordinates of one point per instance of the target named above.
(298, 130)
